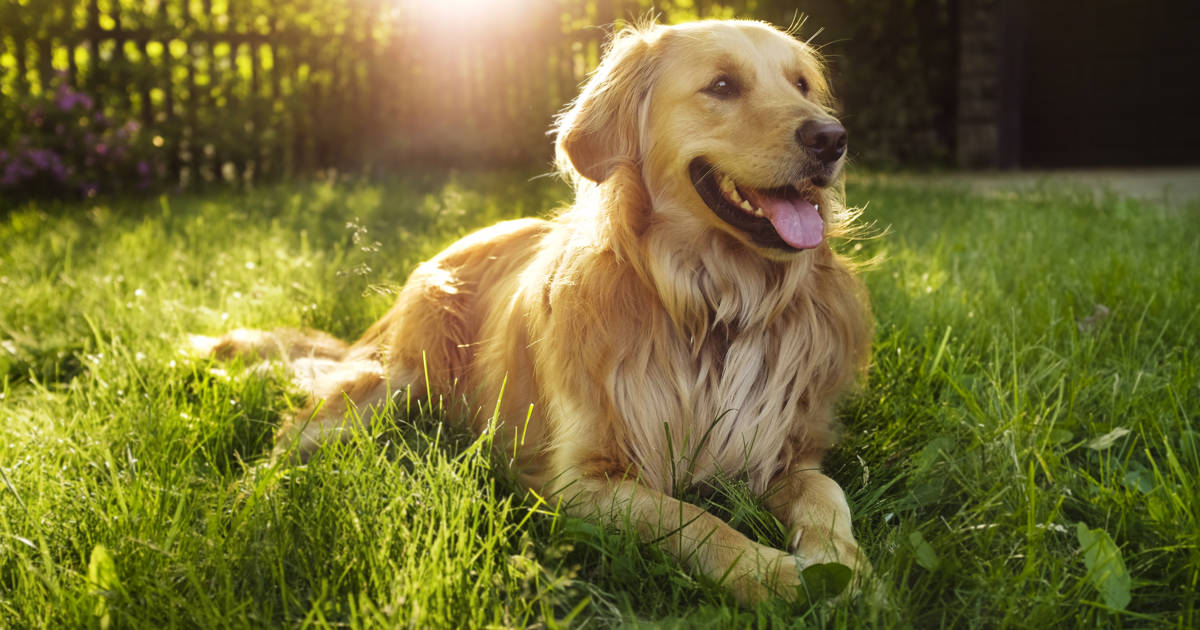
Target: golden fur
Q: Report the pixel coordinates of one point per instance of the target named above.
(656, 344)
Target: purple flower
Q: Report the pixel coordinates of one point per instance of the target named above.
(39, 158)
(14, 173)
(31, 163)
(66, 98)
(101, 149)
(143, 168)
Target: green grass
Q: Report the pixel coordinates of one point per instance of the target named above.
(135, 490)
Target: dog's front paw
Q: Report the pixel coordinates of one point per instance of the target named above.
(814, 551)
(772, 573)
(763, 574)
(813, 548)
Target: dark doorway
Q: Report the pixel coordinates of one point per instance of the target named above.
(1110, 83)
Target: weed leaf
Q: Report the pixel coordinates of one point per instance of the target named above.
(102, 575)
(926, 556)
(1060, 436)
(932, 452)
(1108, 439)
(1105, 567)
(824, 581)
(1139, 479)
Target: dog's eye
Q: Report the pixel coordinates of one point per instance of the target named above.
(802, 83)
(723, 87)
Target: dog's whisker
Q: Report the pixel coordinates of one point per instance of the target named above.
(711, 170)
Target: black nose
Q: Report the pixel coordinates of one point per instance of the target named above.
(825, 141)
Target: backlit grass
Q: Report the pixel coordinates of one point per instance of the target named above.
(1035, 368)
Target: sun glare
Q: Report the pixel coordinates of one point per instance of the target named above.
(450, 12)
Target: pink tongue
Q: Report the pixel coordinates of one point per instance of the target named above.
(796, 220)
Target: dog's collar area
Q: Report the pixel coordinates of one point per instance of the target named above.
(783, 218)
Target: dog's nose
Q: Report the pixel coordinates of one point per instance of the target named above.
(826, 141)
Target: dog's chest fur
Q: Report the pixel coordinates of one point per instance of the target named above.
(727, 397)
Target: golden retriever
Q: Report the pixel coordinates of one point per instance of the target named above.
(685, 318)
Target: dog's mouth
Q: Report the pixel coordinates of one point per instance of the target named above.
(787, 217)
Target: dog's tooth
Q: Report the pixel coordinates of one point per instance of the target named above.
(733, 194)
(745, 205)
(758, 212)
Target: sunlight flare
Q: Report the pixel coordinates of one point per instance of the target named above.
(457, 13)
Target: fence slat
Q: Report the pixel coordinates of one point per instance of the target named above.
(93, 49)
(144, 86)
(22, 58)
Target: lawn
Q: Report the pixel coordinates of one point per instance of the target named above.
(1023, 455)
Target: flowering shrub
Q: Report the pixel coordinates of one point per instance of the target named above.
(62, 145)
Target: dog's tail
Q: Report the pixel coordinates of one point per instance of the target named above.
(286, 344)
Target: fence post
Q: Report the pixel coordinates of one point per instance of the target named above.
(92, 46)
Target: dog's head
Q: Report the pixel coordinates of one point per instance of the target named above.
(728, 124)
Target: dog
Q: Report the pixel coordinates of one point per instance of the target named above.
(685, 318)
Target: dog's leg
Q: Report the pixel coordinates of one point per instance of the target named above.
(281, 343)
(321, 364)
(704, 542)
(363, 385)
(814, 509)
(360, 385)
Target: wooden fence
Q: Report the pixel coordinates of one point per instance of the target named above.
(250, 88)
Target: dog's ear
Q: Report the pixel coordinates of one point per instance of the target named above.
(601, 129)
